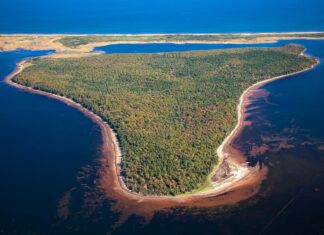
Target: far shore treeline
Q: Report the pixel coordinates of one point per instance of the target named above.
(74, 41)
(171, 111)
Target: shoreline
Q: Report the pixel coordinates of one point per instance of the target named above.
(221, 150)
(243, 186)
(11, 42)
(157, 34)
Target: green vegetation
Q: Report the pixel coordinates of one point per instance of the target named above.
(171, 111)
(75, 41)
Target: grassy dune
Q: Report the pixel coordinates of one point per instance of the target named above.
(76, 41)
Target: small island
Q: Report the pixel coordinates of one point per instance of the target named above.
(161, 117)
(170, 111)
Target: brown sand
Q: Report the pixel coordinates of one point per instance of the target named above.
(9, 42)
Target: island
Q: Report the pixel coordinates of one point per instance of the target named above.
(167, 119)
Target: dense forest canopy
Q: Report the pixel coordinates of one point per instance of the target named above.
(171, 111)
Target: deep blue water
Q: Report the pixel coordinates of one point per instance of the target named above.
(48, 150)
(171, 47)
(44, 146)
(160, 16)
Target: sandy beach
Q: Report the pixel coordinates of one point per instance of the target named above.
(10, 42)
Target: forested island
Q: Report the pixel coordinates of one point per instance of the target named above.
(170, 111)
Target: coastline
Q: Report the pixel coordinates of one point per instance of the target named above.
(10, 42)
(222, 150)
(240, 188)
(152, 34)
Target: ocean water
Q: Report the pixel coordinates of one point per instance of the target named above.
(160, 16)
(171, 47)
(47, 151)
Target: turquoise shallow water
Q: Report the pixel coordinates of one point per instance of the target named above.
(160, 16)
(48, 154)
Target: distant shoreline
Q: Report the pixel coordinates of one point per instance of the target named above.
(157, 34)
(244, 184)
(85, 46)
